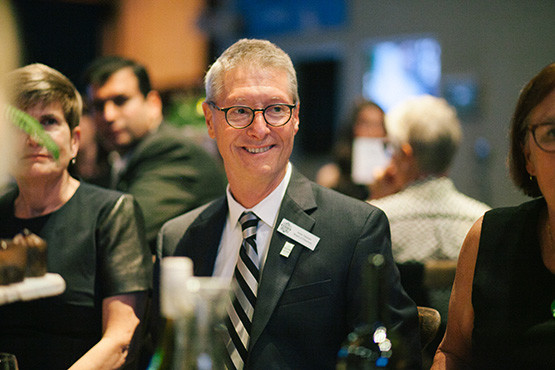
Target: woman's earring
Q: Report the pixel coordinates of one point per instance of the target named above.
(73, 160)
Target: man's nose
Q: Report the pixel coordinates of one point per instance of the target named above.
(258, 128)
(109, 111)
(259, 122)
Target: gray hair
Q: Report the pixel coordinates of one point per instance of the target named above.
(252, 53)
(431, 127)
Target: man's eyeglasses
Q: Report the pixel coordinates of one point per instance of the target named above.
(544, 136)
(240, 116)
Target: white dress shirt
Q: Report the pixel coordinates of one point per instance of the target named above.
(267, 211)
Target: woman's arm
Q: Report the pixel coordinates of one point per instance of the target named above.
(121, 316)
(455, 351)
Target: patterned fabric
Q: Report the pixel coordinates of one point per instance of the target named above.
(429, 220)
(244, 288)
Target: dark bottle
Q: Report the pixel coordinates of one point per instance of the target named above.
(368, 346)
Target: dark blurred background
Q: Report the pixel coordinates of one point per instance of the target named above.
(477, 54)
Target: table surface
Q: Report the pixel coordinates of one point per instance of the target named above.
(32, 288)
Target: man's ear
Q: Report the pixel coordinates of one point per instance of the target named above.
(208, 117)
(295, 117)
(406, 149)
(154, 101)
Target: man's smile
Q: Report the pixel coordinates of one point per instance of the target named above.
(258, 150)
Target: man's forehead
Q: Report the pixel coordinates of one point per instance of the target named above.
(123, 80)
(255, 81)
(253, 71)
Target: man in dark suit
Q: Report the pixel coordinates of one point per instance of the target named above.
(310, 244)
(166, 172)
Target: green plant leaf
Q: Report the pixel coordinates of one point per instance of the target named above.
(33, 128)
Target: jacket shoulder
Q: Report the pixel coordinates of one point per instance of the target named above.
(173, 230)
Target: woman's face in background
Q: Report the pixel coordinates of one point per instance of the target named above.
(369, 123)
(34, 161)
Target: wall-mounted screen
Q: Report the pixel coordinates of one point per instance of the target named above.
(399, 68)
(264, 18)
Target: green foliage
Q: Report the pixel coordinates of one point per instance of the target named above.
(185, 110)
(33, 128)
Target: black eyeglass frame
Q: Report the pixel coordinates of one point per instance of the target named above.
(533, 128)
(254, 110)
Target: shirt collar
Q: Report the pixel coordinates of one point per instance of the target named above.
(267, 209)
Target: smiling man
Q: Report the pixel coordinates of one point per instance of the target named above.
(292, 250)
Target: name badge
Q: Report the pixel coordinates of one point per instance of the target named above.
(298, 234)
(286, 250)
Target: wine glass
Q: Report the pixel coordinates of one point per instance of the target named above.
(8, 362)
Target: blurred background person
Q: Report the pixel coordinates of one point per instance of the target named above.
(95, 240)
(151, 159)
(429, 218)
(502, 312)
(365, 121)
(91, 164)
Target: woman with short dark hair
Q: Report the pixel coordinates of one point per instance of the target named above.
(502, 308)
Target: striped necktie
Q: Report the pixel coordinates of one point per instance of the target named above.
(243, 293)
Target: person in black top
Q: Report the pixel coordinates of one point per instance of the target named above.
(96, 242)
(502, 309)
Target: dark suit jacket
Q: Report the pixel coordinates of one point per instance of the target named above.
(309, 302)
(169, 175)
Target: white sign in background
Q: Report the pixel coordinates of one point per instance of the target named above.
(369, 156)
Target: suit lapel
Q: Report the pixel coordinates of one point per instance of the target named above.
(203, 238)
(278, 269)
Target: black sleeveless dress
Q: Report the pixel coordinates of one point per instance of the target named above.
(512, 293)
